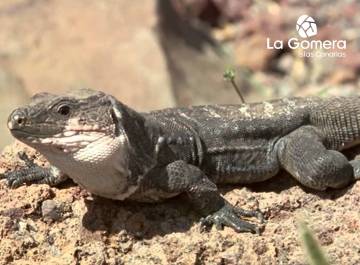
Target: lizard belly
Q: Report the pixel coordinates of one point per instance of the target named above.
(244, 165)
(151, 195)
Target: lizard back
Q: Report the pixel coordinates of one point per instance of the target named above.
(238, 140)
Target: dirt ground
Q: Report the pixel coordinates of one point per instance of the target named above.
(65, 225)
(113, 46)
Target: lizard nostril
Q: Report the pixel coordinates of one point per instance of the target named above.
(16, 120)
(19, 120)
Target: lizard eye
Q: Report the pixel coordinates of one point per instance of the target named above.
(64, 110)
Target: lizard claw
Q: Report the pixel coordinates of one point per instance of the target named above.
(229, 216)
(29, 174)
(253, 213)
(24, 157)
(33, 175)
(16, 178)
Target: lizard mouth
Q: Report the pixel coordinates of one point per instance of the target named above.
(24, 135)
(68, 141)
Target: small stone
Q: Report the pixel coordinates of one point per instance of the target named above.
(23, 227)
(51, 210)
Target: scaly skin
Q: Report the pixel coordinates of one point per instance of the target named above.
(118, 153)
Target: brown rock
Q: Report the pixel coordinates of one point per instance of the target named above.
(51, 47)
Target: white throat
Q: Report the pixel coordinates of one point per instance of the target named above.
(101, 166)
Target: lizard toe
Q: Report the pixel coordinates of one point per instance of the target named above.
(25, 175)
(239, 225)
(15, 183)
(24, 157)
(15, 178)
(229, 216)
(252, 213)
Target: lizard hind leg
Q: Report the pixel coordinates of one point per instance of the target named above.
(304, 156)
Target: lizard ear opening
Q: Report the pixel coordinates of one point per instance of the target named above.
(116, 121)
(115, 114)
(125, 118)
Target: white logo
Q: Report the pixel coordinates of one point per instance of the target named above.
(306, 26)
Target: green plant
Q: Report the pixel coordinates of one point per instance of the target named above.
(229, 75)
(312, 248)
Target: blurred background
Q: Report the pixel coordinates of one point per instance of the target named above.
(155, 54)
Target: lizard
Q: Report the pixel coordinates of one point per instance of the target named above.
(116, 152)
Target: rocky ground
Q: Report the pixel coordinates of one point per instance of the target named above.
(124, 49)
(65, 225)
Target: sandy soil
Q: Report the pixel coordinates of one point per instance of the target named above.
(63, 48)
(66, 225)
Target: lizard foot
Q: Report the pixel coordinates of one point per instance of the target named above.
(229, 216)
(356, 166)
(30, 174)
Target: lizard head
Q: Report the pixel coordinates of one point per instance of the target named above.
(67, 124)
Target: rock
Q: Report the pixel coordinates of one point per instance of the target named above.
(51, 210)
(112, 46)
(12, 94)
(249, 54)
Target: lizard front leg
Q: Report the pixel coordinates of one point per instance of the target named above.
(204, 195)
(33, 174)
